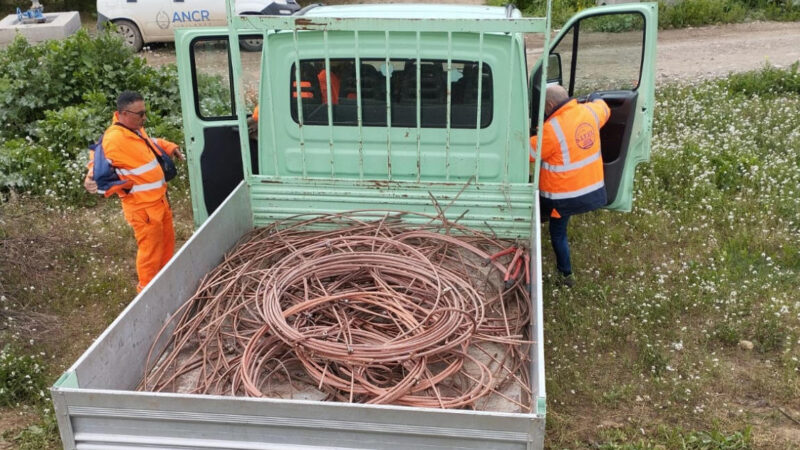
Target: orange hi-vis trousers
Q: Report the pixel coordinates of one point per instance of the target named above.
(155, 237)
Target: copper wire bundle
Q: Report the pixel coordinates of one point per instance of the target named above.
(366, 311)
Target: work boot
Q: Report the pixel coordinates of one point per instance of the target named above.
(567, 280)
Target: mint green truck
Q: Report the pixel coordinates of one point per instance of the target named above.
(363, 107)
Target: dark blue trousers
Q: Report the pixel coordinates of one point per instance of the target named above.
(558, 237)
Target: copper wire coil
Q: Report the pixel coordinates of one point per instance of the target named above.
(369, 311)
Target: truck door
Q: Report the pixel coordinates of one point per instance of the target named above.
(210, 125)
(610, 52)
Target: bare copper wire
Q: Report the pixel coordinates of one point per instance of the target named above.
(368, 311)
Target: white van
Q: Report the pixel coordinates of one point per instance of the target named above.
(144, 21)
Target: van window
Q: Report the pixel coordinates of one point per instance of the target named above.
(402, 87)
(214, 97)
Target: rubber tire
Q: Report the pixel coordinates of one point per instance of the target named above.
(130, 34)
(251, 45)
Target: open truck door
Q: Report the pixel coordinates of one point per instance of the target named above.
(610, 52)
(213, 146)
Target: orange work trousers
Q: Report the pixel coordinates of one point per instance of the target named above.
(155, 238)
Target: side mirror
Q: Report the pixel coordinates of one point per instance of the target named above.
(554, 68)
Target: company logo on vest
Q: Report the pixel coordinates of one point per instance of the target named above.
(584, 136)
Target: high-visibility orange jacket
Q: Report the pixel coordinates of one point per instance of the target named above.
(572, 165)
(134, 161)
(323, 86)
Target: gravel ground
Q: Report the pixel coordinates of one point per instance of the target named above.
(693, 53)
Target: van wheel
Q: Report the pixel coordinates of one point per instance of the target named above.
(251, 45)
(130, 34)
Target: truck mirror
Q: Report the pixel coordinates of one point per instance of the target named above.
(554, 68)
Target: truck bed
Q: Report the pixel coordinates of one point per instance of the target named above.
(97, 405)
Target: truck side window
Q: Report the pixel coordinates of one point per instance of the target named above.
(609, 54)
(402, 73)
(212, 77)
(213, 99)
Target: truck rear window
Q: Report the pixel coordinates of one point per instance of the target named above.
(402, 89)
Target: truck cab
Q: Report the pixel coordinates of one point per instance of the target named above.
(376, 111)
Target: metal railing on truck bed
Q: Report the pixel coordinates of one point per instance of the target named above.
(393, 150)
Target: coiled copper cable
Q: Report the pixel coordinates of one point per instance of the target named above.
(367, 311)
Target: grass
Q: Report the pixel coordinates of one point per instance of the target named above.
(645, 353)
(707, 259)
(679, 438)
(65, 274)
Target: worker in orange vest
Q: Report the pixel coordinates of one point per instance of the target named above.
(305, 86)
(322, 77)
(571, 174)
(252, 124)
(145, 205)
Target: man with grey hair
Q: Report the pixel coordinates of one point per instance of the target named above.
(571, 173)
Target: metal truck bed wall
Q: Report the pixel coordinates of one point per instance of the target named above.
(97, 407)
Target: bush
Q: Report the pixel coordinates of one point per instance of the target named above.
(57, 97)
(615, 23)
(22, 378)
(561, 10)
(55, 74)
(27, 166)
(768, 82)
(52, 161)
(679, 14)
(688, 13)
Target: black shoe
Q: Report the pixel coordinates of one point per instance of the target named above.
(567, 280)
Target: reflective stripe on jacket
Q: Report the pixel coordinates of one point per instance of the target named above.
(134, 161)
(572, 165)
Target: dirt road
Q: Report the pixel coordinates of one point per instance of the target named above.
(709, 52)
(693, 53)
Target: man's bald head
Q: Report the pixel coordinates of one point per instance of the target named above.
(554, 96)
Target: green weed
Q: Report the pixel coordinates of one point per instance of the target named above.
(770, 334)
(22, 377)
(726, 333)
(40, 435)
(617, 394)
(677, 438)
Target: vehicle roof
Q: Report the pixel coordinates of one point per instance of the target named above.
(412, 11)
